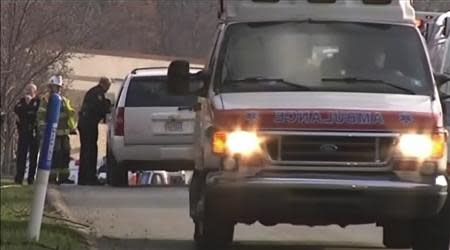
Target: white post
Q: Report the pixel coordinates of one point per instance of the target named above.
(45, 162)
(37, 208)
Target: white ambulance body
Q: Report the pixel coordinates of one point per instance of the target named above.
(319, 112)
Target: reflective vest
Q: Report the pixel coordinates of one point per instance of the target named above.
(66, 121)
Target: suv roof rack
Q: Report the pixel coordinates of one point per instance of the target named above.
(383, 11)
(134, 71)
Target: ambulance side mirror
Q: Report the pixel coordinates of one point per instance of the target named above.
(200, 82)
(441, 79)
(178, 78)
(181, 82)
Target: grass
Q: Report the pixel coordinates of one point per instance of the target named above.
(15, 208)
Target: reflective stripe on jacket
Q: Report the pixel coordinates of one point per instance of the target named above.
(66, 121)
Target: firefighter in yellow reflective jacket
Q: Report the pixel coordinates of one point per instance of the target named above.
(66, 126)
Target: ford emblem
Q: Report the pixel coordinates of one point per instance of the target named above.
(328, 148)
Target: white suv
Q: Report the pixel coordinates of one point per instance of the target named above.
(148, 129)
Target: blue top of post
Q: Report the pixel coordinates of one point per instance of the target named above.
(48, 142)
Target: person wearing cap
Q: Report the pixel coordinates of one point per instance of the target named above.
(28, 141)
(93, 110)
(66, 125)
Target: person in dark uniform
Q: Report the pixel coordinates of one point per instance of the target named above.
(93, 110)
(28, 143)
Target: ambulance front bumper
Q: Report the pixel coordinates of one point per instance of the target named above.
(322, 199)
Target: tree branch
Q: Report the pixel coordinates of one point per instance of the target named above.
(20, 26)
(37, 72)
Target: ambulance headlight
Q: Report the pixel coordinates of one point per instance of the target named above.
(422, 146)
(238, 142)
(414, 145)
(243, 143)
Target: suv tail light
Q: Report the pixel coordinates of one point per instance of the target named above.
(120, 122)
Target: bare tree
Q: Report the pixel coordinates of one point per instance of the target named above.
(185, 28)
(37, 38)
(166, 27)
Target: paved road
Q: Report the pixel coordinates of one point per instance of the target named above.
(157, 218)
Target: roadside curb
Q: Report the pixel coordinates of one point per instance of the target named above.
(56, 200)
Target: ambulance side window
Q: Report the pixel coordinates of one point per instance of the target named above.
(437, 55)
(447, 59)
(446, 89)
(446, 104)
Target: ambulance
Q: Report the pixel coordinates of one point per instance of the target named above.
(425, 22)
(318, 112)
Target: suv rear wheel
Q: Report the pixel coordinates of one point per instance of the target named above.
(117, 175)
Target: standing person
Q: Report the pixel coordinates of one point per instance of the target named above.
(94, 109)
(28, 143)
(66, 125)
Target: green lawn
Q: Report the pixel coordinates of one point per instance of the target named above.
(15, 208)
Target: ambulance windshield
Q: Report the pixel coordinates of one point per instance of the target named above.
(323, 56)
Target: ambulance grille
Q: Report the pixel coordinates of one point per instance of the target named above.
(338, 150)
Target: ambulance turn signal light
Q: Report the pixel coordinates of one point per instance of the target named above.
(219, 141)
(439, 145)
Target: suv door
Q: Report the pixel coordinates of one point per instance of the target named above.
(111, 118)
(153, 117)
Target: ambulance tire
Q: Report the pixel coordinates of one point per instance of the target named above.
(433, 233)
(118, 174)
(397, 235)
(213, 234)
(211, 231)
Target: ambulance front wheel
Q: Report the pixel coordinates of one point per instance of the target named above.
(213, 234)
(433, 233)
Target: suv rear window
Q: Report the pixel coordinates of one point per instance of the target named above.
(152, 91)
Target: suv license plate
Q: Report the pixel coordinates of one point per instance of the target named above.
(174, 126)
